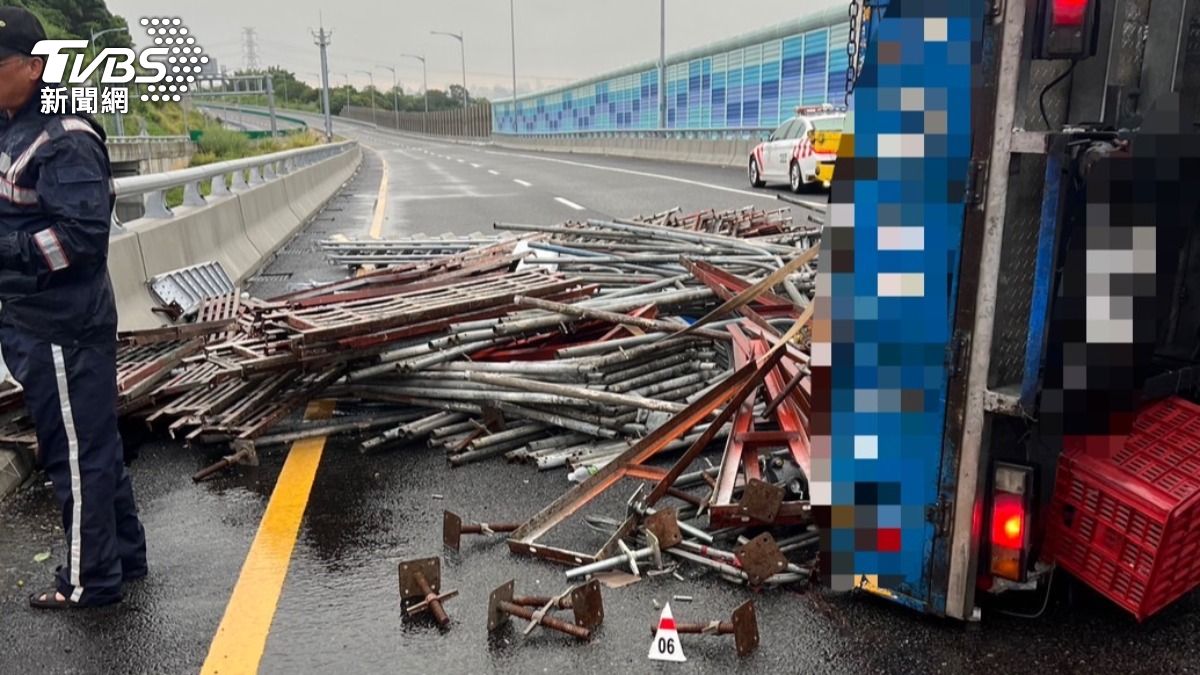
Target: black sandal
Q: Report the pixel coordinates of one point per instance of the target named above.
(49, 600)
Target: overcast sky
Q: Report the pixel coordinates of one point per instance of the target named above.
(558, 41)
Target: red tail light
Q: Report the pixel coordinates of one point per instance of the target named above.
(1069, 29)
(1068, 12)
(1008, 521)
(1011, 505)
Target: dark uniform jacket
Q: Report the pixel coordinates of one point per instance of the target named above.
(56, 203)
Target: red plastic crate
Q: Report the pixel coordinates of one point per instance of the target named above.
(1129, 525)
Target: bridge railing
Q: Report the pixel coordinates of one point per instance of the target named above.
(474, 121)
(241, 173)
(705, 134)
(142, 140)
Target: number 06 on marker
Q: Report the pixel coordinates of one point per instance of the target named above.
(665, 646)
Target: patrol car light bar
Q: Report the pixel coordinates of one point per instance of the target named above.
(818, 109)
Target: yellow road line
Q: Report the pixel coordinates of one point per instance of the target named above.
(380, 203)
(376, 230)
(242, 636)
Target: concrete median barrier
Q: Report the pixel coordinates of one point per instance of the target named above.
(240, 231)
(268, 215)
(303, 188)
(340, 169)
(127, 270)
(196, 235)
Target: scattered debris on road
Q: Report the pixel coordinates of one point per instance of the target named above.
(625, 353)
(743, 626)
(420, 589)
(584, 601)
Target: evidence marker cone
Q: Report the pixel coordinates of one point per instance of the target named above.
(666, 646)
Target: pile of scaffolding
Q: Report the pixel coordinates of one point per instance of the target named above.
(598, 347)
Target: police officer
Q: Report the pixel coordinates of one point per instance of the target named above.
(58, 320)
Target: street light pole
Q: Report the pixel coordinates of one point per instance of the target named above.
(662, 65)
(118, 123)
(395, 95)
(348, 90)
(512, 27)
(462, 45)
(371, 78)
(424, 89)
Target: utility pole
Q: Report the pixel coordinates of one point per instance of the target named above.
(321, 39)
(662, 65)
(348, 90)
(270, 84)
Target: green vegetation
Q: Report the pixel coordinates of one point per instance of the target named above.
(294, 94)
(219, 144)
(65, 19)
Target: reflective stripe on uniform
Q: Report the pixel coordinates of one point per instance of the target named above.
(17, 195)
(68, 417)
(77, 124)
(14, 172)
(68, 124)
(47, 242)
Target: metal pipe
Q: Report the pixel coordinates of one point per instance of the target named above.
(432, 601)
(539, 601)
(613, 317)
(668, 385)
(653, 377)
(334, 429)
(720, 554)
(485, 395)
(680, 353)
(608, 398)
(559, 420)
(529, 614)
(523, 430)
(609, 563)
(615, 345)
(469, 456)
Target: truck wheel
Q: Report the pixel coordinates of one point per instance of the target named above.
(755, 177)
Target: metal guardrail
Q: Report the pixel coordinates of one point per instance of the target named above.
(253, 110)
(141, 140)
(261, 169)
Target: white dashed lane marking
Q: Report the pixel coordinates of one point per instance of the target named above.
(567, 202)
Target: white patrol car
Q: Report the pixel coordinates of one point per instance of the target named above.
(801, 152)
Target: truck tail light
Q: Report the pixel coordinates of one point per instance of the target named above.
(1011, 508)
(1068, 12)
(1069, 29)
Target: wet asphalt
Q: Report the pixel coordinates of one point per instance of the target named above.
(339, 609)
